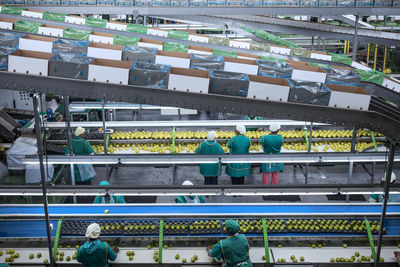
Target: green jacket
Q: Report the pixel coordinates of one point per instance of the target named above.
(239, 144)
(190, 199)
(210, 148)
(116, 200)
(272, 144)
(234, 251)
(95, 254)
(80, 146)
(255, 118)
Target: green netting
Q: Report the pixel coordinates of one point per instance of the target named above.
(341, 58)
(259, 47)
(218, 40)
(224, 53)
(300, 52)
(26, 26)
(11, 10)
(248, 30)
(275, 39)
(312, 64)
(54, 16)
(76, 34)
(101, 23)
(273, 59)
(373, 76)
(175, 47)
(178, 35)
(125, 40)
(136, 28)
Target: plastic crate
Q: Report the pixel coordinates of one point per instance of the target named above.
(271, 3)
(105, 2)
(253, 3)
(345, 2)
(50, 2)
(69, 2)
(308, 3)
(32, 2)
(198, 3)
(15, 2)
(179, 3)
(124, 2)
(87, 2)
(327, 3)
(364, 2)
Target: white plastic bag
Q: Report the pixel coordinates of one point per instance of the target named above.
(32, 173)
(22, 147)
(86, 171)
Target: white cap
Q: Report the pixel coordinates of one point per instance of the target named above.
(187, 182)
(241, 129)
(392, 178)
(211, 135)
(79, 131)
(274, 127)
(93, 231)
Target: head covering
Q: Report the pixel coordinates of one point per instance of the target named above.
(187, 182)
(93, 231)
(104, 183)
(232, 226)
(211, 135)
(79, 131)
(241, 129)
(392, 178)
(274, 127)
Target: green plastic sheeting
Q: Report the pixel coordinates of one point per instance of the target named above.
(312, 64)
(224, 53)
(300, 52)
(373, 76)
(175, 47)
(11, 10)
(125, 40)
(178, 35)
(275, 39)
(341, 58)
(76, 34)
(101, 23)
(218, 40)
(26, 26)
(54, 16)
(273, 59)
(136, 28)
(259, 47)
(248, 30)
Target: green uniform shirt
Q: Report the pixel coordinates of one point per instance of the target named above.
(234, 251)
(210, 148)
(272, 144)
(188, 199)
(117, 200)
(80, 146)
(239, 144)
(255, 118)
(95, 254)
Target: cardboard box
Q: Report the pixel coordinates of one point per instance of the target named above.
(189, 80)
(198, 38)
(105, 51)
(391, 84)
(157, 32)
(29, 62)
(307, 92)
(228, 83)
(32, 14)
(7, 24)
(116, 25)
(321, 55)
(109, 71)
(148, 74)
(150, 43)
(139, 54)
(51, 30)
(268, 88)
(307, 73)
(102, 38)
(279, 50)
(239, 44)
(185, 111)
(75, 20)
(70, 67)
(36, 43)
(248, 56)
(200, 50)
(242, 65)
(174, 59)
(348, 97)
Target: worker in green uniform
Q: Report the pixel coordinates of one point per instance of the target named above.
(234, 250)
(189, 199)
(94, 252)
(210, 171)
(238, 144)
(108, 198)
(253, 118)
(272, 144)
(84, 173)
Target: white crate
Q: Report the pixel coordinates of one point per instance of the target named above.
(75, 20)
(51, 31)
(105, 51)
(322, 56)
(32, 14)
(348, 97)
(391, 84)
(239, 44)
(279, 50)
(119, 26)
(36, 43)
(174, 59)
(7, 24)
(109, 71)
(29, 62)
(189, 80)
(200, 50)
(198, 38)
(157, 32)
(150, 43)
(304, 72)
(268, 88)
(102, 38)
(241, 65)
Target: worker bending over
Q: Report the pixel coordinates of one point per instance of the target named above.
(108, 198)
(189, 199)
(234, 250)
(94, 252)
(210, 171)
(84, 173)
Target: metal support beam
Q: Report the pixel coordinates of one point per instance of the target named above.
(69, 140)
(375, 55)
(355, 45)
(38, 130)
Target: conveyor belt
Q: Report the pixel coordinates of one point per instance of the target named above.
(26, 229)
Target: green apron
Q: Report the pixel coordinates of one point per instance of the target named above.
(272, 145)
(80, 146)
(210, 148)
(234, 251)
(239, 144)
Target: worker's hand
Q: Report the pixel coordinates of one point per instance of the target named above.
(116, 249)
(209, 247)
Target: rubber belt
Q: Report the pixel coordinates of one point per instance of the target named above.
(160, 242)
(264, 223)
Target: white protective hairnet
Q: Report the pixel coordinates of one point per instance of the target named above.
(93, 231)
(241, 129)
(211, 135)
(187, 182)
(274, 127)
(79, 131)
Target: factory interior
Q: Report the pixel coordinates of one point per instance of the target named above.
(199, 133)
